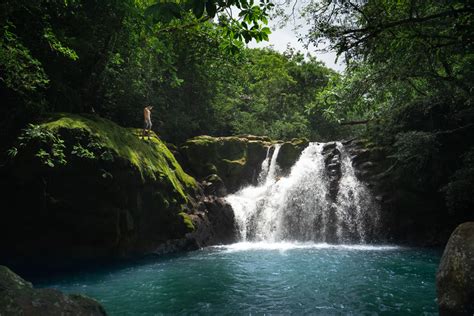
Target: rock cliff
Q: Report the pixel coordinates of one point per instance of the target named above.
(82, 187)
(409, 214)
(235, 160)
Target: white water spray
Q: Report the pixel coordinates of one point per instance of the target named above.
(299, 207)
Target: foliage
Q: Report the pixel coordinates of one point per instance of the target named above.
(271, 92)
(414, 149)
(49, 146)
(57, 46)
(82, 152)
(459, 190)
(249, 24)
(397, 51)
(186, 58)
(417, 165)
(410, 76)
(20, 71)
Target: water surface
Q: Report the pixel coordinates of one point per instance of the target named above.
(272, 278)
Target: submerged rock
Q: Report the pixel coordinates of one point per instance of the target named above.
(18, 297)
(455, 277)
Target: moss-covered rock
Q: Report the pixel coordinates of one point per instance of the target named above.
(216, 225)
(237, 159)
(84, 187)
(455, 277)
(18, 297)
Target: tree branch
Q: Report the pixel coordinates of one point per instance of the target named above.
(355, 122)
(455, 130)
(382, 27)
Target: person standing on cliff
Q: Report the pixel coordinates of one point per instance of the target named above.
(147, 124)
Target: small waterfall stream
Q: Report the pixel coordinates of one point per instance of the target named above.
(320, 200)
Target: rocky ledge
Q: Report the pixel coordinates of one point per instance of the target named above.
(18, 297)
(235, 161)
(83, 188)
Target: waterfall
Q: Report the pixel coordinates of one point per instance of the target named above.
(320, 200)
(357, 212)
(265, 165)
(272, 169)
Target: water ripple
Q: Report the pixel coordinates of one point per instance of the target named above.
(284, 246)
(267, 278)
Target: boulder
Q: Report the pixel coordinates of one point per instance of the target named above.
(82, 187)
(455, 277)
(213, 185)
(215, 223)
(18, 297)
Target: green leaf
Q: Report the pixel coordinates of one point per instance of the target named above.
(164, 12)
(12, 152)
(198, 8)
(247, 37)
(211, 8)
(266, 30)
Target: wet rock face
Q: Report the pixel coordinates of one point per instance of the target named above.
(289, 154)
(406, 215)
(236, 160)
(215, 224)
(18, 297)
(332, 160)
(409, 214)
(455, 277)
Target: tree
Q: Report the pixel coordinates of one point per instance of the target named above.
(410, 75)
(246, 24)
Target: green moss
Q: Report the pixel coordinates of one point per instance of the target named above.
(187, 221)
(203, 140)
(300, 141)
(240, 161)
(151, 157)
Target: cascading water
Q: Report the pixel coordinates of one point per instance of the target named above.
(357, 213)
(313, 203)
